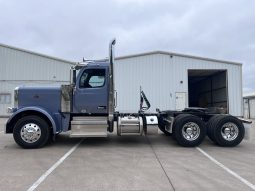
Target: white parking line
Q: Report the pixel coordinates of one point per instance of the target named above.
(1, 132)
(51, 169)
(246, 182)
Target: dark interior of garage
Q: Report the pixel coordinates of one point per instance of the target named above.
(208, 89)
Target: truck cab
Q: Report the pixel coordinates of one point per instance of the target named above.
(90, 94)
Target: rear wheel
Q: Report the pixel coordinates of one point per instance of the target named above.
(31, 132)
(189, 130)
(227, 131)
(210, 127)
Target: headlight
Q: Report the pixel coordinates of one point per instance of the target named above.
(16, 95)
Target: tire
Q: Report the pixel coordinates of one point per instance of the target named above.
(28, 140)
(189, 130)
(161, 126)
(210, 127)
(227, 131)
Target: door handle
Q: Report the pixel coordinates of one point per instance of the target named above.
(101, 107)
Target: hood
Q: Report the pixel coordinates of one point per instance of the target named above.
(45, 97)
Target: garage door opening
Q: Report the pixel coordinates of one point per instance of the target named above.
(208, 88)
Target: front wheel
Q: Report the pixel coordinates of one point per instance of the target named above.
(189, 130)
(31, 132)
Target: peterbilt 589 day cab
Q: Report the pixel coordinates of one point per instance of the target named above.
(86, 108)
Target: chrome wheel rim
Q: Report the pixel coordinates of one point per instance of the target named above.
(190, 131)
(229, 131)
(30, 133)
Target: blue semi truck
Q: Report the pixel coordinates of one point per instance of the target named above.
(86, 108)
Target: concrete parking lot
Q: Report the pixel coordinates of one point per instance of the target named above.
(153, 162)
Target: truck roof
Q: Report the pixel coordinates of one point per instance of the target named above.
(97, 63)
(81, 65)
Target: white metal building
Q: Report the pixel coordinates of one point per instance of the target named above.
(174, 81)
(23, 67)
(249, 106)
(171, 81)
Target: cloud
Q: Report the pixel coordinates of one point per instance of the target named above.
(222, 29)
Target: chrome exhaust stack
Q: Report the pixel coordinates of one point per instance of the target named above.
(111, 86)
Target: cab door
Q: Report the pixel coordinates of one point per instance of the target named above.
(90, 95)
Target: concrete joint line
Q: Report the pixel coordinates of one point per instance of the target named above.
(161, 165)
(246, 182)
(51, 169)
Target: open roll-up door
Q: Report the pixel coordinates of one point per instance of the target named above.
(208, 88)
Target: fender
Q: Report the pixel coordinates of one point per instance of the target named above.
(40, 110)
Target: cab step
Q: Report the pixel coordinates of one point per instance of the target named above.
(89, 127)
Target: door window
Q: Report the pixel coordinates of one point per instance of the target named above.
(92, 78)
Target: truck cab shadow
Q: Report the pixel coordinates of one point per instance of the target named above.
(114, 140)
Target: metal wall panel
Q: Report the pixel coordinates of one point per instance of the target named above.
(249, 107)
(162, 75)
(148, 72)
(246, 109)
(252, 108)
(19, 67)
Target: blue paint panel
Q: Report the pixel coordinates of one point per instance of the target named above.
(52, 119)
(46, 100)
(45, 97)
(89, 99)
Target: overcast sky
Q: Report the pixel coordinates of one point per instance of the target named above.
(221, 29)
